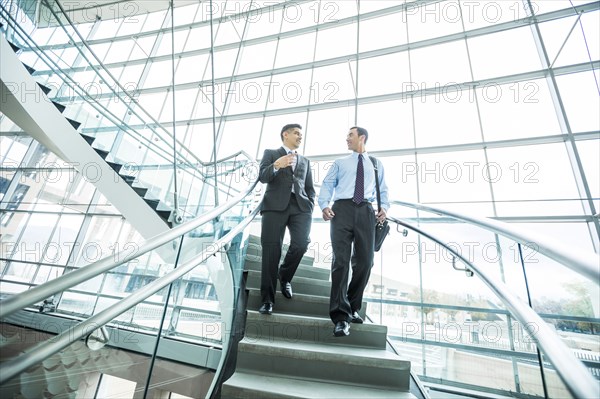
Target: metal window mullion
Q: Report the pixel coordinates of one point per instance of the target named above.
(495, 28)
(312, 80)
(579, 175)
(264, 113)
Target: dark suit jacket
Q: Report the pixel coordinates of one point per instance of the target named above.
(279, 184)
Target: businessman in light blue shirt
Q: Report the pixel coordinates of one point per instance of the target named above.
(347, 198)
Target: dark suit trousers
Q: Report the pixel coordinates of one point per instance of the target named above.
(272, 233)
(352, 232)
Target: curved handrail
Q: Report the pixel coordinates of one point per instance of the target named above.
(40, 352)
(66, 281)
(576, 261)
(572, 372)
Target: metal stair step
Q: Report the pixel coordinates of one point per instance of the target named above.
(296, 328)
(304, 305)
(300, 284)
(115, 166)
(87, 138)
(103, 153)
(73, 123)
(374, 368)
(46, 90)
(61, 108)
(249, 385)
(304, 270)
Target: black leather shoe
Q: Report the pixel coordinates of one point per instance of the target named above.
(341, 329)
(286, 289)
(266, 308)
(356, 318)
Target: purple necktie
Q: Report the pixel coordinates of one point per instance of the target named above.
(359, 186)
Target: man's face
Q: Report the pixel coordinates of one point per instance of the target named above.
(353, 140)
(292, 138)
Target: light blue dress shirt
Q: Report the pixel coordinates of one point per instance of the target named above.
(341, 178)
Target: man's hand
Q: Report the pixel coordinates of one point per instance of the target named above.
(328, 214)
(381, 215)
(284, 161)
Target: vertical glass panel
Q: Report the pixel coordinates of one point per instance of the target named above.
(453, 177)
(335, 11)
(401, 178)
(333, 123)
(298, 16)
(383, 75)
(265, 23)
(542, 7)
(336, 42)
(390, 125)
(107, 28)
(101, 49)
(258, 57)
(433, 20)
(199, 140)
(289, 90)
(185, 14)
(199, 38)
(520, 109)
(35, 237)
(455, 118)
(166, 45)
(589, 152)
(184, 104)
(503, 53)
(13, 150)
(334, 83)
(382, 32)
(427, 74)
(491, 12)
(237, 135)
(152, 103)
(579, 93)
(224, 63)
(230, 30)
(99, 241)
(271, 131)
(160, 74)
(119, 51)
(296, 50)
(142, 47)
(63, 241)
(531, 172)
(250, 95)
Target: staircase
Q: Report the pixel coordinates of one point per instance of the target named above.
(293, 353)
(26, 103)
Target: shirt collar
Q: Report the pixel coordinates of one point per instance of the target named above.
(287, 150)
(364, 154)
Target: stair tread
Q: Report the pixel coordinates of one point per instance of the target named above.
(298, 297)
(267, 386)
(347, 355)
(307, 320)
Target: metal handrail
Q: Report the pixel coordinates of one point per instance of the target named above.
(585, 264)
(575, 376)
(42, 351)
(66, 281)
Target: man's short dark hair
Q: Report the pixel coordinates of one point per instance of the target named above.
(361, 132)
(288, 127)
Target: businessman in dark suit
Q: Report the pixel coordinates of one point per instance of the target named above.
(288, 202)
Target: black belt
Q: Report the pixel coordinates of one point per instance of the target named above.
(364, 202)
